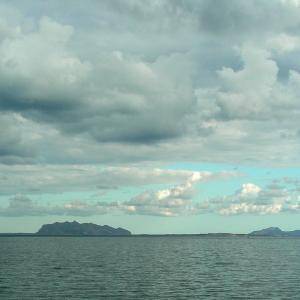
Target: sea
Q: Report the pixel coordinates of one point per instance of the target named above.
(149, 267)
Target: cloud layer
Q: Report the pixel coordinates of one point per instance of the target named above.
(24, 179)
(171, 202)
(95, 99)
(217, 78)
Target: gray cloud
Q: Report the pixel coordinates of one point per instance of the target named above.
(21, 205)
(119, 97)
(23, 179)
(13, 147)
(145, 84)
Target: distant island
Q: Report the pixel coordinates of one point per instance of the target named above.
(77, 229)
(275, 232)
(89, 229)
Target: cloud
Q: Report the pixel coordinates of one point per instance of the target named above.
(173, 201)
(216, 77)
(252, 199)
(115, 91)
(21, 205)
(24, 179)
(48, 86)
(167, 202)
(13, 147)
(96, 99)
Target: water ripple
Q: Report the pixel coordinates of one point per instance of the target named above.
(149, 268)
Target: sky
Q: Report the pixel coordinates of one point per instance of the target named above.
(161, 116)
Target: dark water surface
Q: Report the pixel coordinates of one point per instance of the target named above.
(149, 268)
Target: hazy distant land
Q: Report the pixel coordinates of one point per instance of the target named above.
(89, 229)
(275, 232)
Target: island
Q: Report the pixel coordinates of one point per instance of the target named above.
(275, 232)
(76, 229)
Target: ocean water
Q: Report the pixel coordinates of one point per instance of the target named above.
(149, 268)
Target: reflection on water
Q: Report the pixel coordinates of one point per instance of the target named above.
(149, 268)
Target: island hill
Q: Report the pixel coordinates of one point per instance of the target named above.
(275, 232)
(76, 229)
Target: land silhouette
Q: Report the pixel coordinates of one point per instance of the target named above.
(89, 229)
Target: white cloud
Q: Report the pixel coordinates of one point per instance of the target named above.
(249, 189)
(168, 202)
(252, 199)
(245, 208)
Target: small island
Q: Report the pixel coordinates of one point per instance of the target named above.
(76, 229)
(275, 232)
